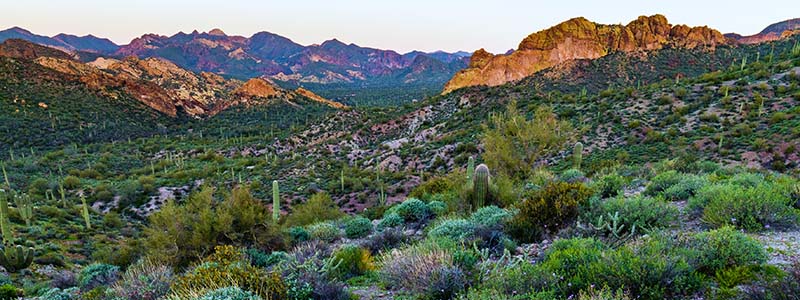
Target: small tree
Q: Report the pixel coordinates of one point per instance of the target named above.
(514, 144)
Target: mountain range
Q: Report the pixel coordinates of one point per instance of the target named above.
(580, 38)
(271, 57)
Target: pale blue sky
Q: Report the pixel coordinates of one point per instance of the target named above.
(400, 25)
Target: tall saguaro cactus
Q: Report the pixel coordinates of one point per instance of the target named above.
(85, 212)
(276, 202)
(577, 155)
(470, 170)
(480, 186)
(5, 225)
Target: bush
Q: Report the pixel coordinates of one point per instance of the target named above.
(427, 270)
(575, 263)
(662, 181)
(325, 231)
(413, 210)
(455, 229)
(299, 234)
(8, 292)
(228, 267)
(750, 208)
(71, 182)
(351, 261)
(228, 293)
(59, 294)
(318, 208)
(610, 185)
(491, 216)
(725, 248)
(685, 188)
(144, 280)
(388, 238)
(546, 211)
(180, 234)
(307, 274)
(357, 227)
(746, 179)
(438, 208)
(572, 176)
(390, 220)
(97, 275)
(637, 214)
(653, 268)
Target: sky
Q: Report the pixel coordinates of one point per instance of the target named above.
(405, 25)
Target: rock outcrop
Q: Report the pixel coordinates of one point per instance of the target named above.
(580, 38)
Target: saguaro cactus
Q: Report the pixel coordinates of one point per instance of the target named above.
(276, 202)
(24, 207)
(577, 155)
(480, 186)
(15, 258)
(86, 218)
(5, 225)
(470, 171)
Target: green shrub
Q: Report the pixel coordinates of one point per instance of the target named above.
(685, 188)
(574, 263)
(491, 216)
(8, 292)
(547, 210)
(750, 208)
(59, 294)
(144, 280)
(426, 269)
(572, 175)
(352, 260)
(228, 293)
(299, 234)
(726, 248)
(662, 181)
(180, 234)
(456, 229)
(357, 227)
(228, 267)
(438, 208)
(639, 213)
(746, 179)
(97, 275)
(610, 185)
(653, 268)
(318, 208)
(413, 210)
(325, 231)
(390, 220)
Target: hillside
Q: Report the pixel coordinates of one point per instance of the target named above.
(44, 88)
(665, 168)
(580, 38)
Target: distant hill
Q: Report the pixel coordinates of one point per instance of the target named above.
(771, 33)
(62, 41)
(334, 69)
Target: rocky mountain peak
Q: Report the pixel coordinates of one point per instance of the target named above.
(579, 38)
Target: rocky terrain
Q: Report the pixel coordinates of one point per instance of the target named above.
(580, 38)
